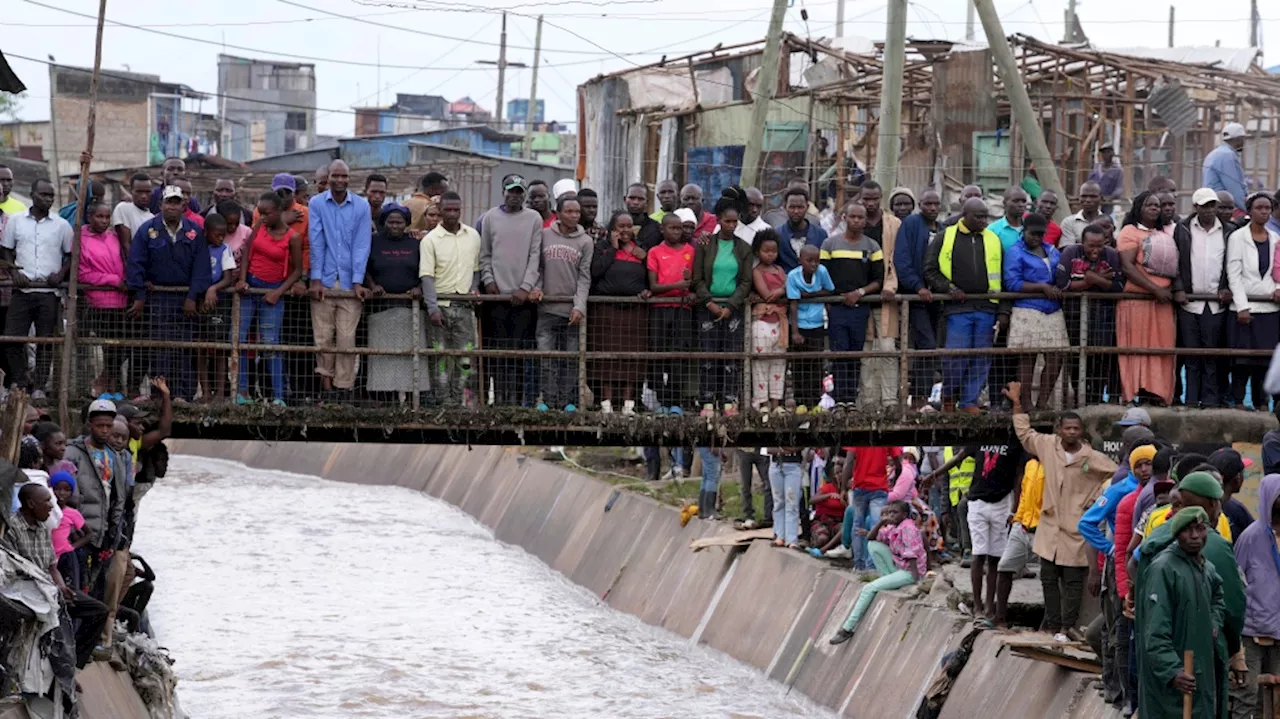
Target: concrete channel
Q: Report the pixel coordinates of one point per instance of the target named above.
(768, 608)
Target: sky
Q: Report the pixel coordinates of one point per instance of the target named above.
(427, 48)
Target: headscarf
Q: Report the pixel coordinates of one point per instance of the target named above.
(62, 477)
(1187, 516)
(1146, 451)
(563, 186)
(1202, 484)
(390, 207)
(686, 215)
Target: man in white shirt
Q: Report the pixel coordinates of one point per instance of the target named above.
(1090, 211)
(1202, 270)
(128, 216)
(751, 222)
(39, 243)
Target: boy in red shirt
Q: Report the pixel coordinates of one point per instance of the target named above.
(670, 266)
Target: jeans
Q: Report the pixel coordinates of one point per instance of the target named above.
(710, 470)
(91, 617)
(458, 332)
(270, 320)
(169, 324)
(1063, 591)
(748, 460)
(866, 507)
(847, 328)
(32, 308)
(784, 483)
(720, 378)
(890, 578)
(966, 375)
(559, 376)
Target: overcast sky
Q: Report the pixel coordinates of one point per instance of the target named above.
(432, 50)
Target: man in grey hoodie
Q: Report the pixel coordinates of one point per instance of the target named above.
(101, 484)
(509, 247)
(565, 271)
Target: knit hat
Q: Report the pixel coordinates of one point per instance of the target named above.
(1202, 484)
(1187, 516)
(902, 191)
(62, 477)
(1137, 454)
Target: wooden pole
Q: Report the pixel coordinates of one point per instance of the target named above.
(533, 96)
(889, 134)
(766, 88)
(1188, 668)
(15, 416)
(68, 340)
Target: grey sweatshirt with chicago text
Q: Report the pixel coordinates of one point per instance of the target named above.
(565, 269)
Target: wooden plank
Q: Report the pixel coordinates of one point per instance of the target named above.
(1041, 655)
(731, 540)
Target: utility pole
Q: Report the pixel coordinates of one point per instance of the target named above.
(1069, 21)
(54, 174)
(968, 19)
(1254, 39)
(1170, 26)
(766, 88)
(1028, 123)
(839, 18)
(533, 93)
(888, 140)
(502, 68)
(69, 335)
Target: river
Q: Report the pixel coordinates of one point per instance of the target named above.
(290, 596)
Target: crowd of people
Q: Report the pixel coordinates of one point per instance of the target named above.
(66, 539)
(1178, 561)
(719, 276)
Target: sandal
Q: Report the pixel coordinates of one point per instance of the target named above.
(983, 623)
(779, 543)
(795, 547)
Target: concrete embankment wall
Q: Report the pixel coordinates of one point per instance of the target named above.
(770, 608)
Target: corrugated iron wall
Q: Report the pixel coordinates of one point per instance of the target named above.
(963, 88)
(608, 139)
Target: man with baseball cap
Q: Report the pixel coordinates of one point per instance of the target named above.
(510, 252)
(169, 249)
(1222, 167)
(1202, 270)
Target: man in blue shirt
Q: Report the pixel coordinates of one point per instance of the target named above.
(173, 169)
(1108, 175)
(341, 236)
(1222, 167)
(1009, 227)
(798, 231)
(169, 250)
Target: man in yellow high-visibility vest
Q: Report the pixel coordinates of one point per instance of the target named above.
(966, 260)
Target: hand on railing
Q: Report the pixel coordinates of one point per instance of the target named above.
(957, 294)
(210, 299)
(189, 307)
(574, 317)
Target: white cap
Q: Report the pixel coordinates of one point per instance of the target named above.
(102, 406)
(1232, 130)
(563, 186)
(913, 451)
(686, 215)
(1203, 196)
(170, 191)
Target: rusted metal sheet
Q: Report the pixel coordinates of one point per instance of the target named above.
(608, 139)
(964, 95)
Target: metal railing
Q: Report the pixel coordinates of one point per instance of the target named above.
(489, 360)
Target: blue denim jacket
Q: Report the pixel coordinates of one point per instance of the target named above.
(1021, 267)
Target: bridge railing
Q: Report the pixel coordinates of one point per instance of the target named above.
(632, 351)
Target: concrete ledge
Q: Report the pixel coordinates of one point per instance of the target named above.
(772, 609)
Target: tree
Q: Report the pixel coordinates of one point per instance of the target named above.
(10, 105)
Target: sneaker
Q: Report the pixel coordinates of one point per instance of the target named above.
(967, 561)
(842, 635)
(277, 402)
(779, 410)
(606, 407)
(1074, 635)
(750, 524)
(839, 553)
(241, 399)
(708, 410)
(37, 394)
(1060, 638)
(628, 407)
(802, 410)
(542, 407)
(730, 410)
(570, 408)
(676, 411)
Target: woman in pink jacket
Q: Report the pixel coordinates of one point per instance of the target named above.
(102, 265)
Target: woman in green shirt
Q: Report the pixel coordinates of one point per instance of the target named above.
(721, 280)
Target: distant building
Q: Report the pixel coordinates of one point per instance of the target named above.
(267, 107)
(466, 110)
(518, 111)
(410, 113)
(28, 140)
(140, 119)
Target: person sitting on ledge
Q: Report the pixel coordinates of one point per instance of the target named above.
(898, 551)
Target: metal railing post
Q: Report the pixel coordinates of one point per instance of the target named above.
(747, 324)
(583, 390)
(415, 307)
(235, 345)
(1082, 356)
(904, 361)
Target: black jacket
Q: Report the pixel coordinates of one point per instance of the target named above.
(1182, 238)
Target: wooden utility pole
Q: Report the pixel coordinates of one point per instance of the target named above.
(968, 20)
(889, 132)
(533, 94)
(1171, 9)
(65, 375)
(1030, 129)
(502, 65)
(766, 88)
(1255, 38)
(54, 174)
(839, 18)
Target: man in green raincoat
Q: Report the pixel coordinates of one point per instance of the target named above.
(1197, 490)
(1182, 611)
